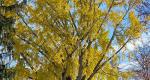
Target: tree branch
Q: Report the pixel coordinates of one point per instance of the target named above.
(28, 63)
(72, 19)
(79, 77)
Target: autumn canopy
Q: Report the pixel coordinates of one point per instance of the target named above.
(67, 39)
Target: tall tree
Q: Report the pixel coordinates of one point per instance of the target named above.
(72, 39)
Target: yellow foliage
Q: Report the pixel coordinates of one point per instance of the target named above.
(9, 2)
(55, 33)
(10, 14)
(135, 26)
(115, 17)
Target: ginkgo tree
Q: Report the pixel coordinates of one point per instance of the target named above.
(71, 39)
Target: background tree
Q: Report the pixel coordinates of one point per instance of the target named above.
(144, 12)
(72, 39)
(8, 16)
(142, 56)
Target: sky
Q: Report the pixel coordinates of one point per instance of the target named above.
(132, 46)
